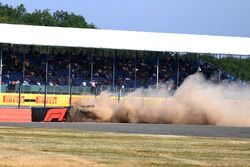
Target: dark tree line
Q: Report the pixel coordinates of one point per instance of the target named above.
(239, 67)
(60, 18)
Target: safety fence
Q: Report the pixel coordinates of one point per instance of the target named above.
(62, 90)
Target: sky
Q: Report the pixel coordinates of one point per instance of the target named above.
(208, 17)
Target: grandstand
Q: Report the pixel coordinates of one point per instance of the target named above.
(73, 61)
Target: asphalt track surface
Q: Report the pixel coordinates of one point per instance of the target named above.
(155, 129)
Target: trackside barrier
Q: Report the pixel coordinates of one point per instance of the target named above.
(15, 115)
(37, 100)
(48, 114)
(57, 114)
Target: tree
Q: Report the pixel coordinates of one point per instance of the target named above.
(65, 19)
(19, 15)
(40, 17)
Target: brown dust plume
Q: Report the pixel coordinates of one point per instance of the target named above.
(197, 101)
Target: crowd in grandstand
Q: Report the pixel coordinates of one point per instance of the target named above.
(128, 68)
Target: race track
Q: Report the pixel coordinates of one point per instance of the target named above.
(156, 129)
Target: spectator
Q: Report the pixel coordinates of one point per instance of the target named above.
(84, 84)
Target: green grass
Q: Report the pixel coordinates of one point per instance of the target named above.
(54, 147)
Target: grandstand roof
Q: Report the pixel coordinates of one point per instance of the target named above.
(129, 40)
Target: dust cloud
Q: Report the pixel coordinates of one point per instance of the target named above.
(197, 101)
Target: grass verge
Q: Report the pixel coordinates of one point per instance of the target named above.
(57, 147)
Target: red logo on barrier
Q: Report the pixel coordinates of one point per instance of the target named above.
(12, 99)
(49, 100)
(55, 114)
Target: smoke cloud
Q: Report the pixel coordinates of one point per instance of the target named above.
(197, 101)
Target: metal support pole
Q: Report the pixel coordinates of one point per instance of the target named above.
(70, 96)
(157, 71)
(23, 78)
(24, 59)
(19, 86)
(219, 69)
(114, 56)
(91, 68)
(142, 95)
(178, 71)
(19, 95)
(70, 80)
(198, 59)
(46, 79)
(69, 68)
(83, 77)
(135, 70)
(240, 68)
(119, 95)
(1, 68)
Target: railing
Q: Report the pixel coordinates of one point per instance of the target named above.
(40, 89)
(79, 90)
